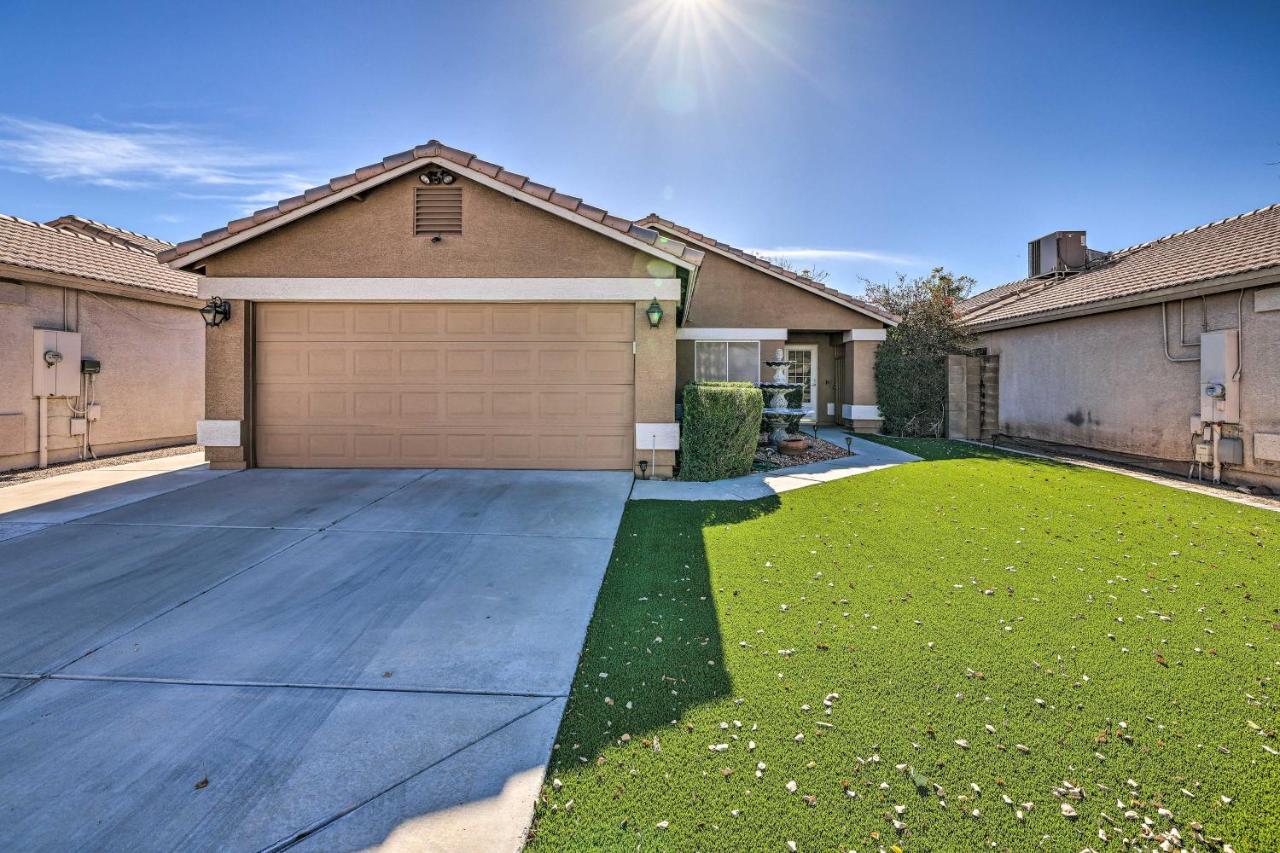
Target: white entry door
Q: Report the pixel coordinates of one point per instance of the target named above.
(804, 371)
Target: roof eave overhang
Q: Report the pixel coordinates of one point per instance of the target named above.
(29, 275)
(187, 261)
(709, 247)
(1190, 290)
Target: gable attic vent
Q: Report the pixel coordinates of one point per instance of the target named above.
(437, 210)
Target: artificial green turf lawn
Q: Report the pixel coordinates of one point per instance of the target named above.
(1108, 598)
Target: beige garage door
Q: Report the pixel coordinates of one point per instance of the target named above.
(379, 385)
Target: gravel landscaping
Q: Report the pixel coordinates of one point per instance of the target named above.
(26, 475)
(768, 457)
(977, 651)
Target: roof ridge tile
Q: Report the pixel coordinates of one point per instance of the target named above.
(432, 149)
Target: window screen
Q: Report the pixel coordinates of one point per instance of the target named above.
(733, 361)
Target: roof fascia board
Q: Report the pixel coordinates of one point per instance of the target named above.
(404, 169)
(284, 289)
(1138, 300)
(800, 284)
(703, 333)
(26, 275)
(863, 335)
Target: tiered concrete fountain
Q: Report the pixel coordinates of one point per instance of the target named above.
(777, 414)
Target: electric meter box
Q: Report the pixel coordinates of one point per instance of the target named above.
(1219, 382)
(55, 364)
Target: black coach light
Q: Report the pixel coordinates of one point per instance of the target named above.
(654, 312)
(215, 311)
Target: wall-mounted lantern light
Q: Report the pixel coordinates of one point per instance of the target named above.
(654, 312)
(215, 312)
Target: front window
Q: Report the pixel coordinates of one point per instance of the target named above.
(731, 361)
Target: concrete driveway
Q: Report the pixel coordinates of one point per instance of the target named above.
(327, 660)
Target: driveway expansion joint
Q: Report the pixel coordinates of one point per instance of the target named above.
(295, 838)
(288, 685)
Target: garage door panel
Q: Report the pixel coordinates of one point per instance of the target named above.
(447, 385)
(600, 363)
(287, 321)
(409, 405)
(569, 447)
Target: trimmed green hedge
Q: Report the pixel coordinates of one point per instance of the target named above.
(720, 429)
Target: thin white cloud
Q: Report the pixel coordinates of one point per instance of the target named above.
(804, 253)
(175, 158)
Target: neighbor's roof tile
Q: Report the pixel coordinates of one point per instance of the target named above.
(466, 159)
(67, 248)
(110, 233)
(1239, 244)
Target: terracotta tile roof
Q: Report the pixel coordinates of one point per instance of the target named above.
(437, 150)
(33, 246)
(110, 233)
(760, 263)
(1240, 244)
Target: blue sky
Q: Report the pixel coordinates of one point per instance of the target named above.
(868, 138)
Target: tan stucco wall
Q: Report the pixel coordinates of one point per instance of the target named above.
(226, 397)
(1103, 382)
(729, 293)
(656, 381)
(151, 387)
(501, 237)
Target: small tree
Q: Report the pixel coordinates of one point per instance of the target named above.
(911, 364)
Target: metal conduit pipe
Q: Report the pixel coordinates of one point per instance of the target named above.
(1164, 327)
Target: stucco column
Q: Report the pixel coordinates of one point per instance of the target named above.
(860, 385)
(227, 378)
(655, 389)
(962, 397)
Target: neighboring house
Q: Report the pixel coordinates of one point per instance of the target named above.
(96, 296)
(1160, 354)
(437, 310)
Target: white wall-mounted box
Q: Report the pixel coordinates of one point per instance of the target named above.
(55, 364)
(657, 436)
(218, 433)
(1219, 384)
(79, 426)
(1266, 446)
(1266, 299)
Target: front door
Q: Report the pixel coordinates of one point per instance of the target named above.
(804, 371)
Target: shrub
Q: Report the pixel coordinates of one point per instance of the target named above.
(720, 429)
(911, 364)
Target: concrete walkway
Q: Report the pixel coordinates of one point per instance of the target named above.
(34, 505)
(270, 659)
(868, 456)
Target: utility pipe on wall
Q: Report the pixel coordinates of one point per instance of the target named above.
(44, 432)
(1164, 327)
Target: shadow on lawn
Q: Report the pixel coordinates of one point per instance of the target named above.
(655, 630)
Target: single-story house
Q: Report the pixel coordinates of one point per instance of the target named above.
(101, 346)
(438, 310)
(1165, 354)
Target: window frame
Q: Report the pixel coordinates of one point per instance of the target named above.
(726, 343)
